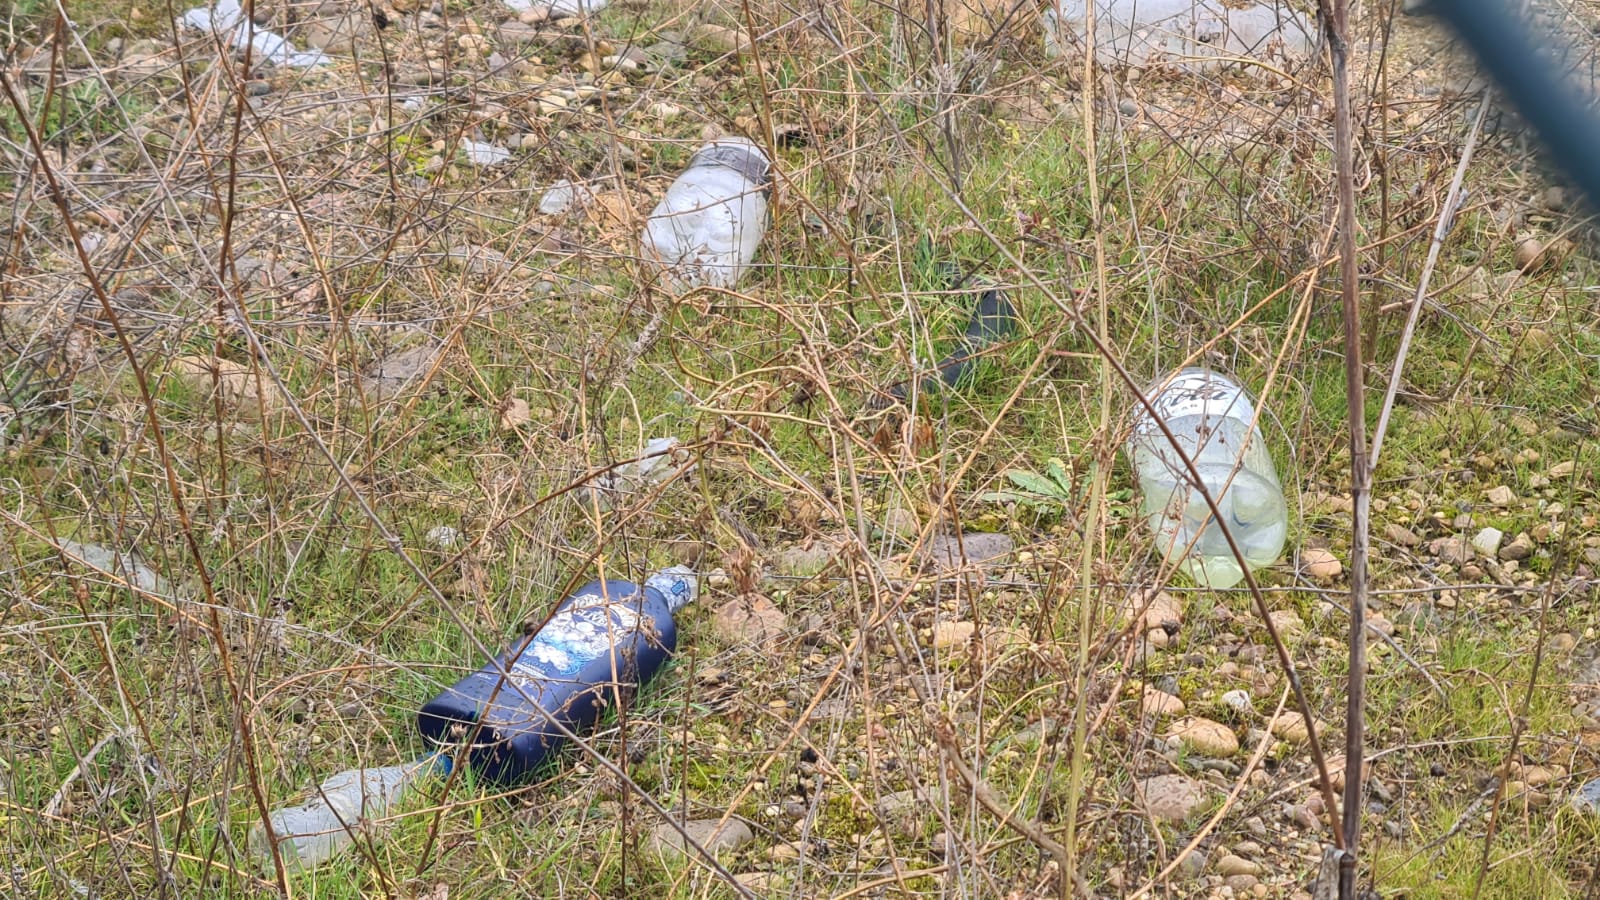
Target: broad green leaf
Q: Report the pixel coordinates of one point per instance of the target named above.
(1058, 471)
(1007, 497)
(1033, 482)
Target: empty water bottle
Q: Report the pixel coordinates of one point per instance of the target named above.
(705, 231)
(603, 642)
(1213, 420)
(315, 831)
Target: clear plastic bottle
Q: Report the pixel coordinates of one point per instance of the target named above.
(559, 9)
(315, 831)
(706, 229)
(1213, 419)
(602, 643)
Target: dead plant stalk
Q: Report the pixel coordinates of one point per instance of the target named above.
(1336, 28)
(1099, 470)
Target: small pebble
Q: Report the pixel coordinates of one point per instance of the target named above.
(1487, 541)
(1291, 727)
(1205, 737)
(1321, 564)
(1401, 535)
(1302, 816)
(1238, 701)
(902, 523)
(1520, 548)
(1174, 798)
(1528, 252)
(1193, 864)
(1287, 622)
(1160, 703)
(1562, 643)
(952, 634)
(1242, 884)
(1236, 865)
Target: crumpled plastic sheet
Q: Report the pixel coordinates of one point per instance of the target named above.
(559, 8)
(1190, 35)
(227, 21)
(118, 563)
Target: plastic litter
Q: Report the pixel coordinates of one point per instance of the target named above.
(660, 460)
(1587, 798)
(562, 195)
(559, 9)
(1190, 35)
(1212, 418)
(603, 642)
(993, 319)
(317, 830)
(126, 565)
(228, 22)
(480, 153)
(706, 229)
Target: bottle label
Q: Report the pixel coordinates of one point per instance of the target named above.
(677, 586)
(584, 631)
(745, 160)
(1195, 393)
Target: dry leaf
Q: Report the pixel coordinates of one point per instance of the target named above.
(514, 413)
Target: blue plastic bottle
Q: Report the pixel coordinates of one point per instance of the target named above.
(603, 642)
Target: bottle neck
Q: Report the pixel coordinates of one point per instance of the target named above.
(677, 585)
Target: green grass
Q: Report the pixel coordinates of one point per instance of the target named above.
(1523, 864)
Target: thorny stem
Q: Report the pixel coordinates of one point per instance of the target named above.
(1447, 215)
